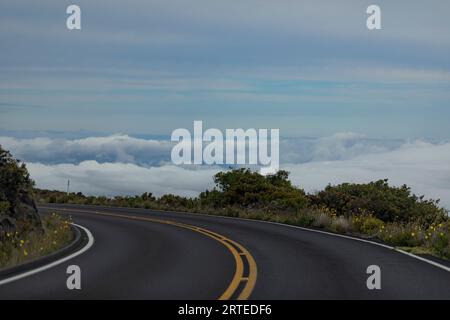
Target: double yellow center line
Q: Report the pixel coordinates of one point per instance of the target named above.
(245, 281)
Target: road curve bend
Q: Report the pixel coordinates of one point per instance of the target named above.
(145, 254)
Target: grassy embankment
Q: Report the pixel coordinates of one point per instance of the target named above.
(16, 248)
(377, 211)
(24, 234)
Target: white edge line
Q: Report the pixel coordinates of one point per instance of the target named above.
(436, 264)
(55, 263)
(433, 263)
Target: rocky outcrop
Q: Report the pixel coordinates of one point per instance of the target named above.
(26, 211)
(23, 215)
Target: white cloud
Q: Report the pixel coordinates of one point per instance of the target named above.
(114, 148)
(421, 165)
(340, 146)
(120, 164)
(126, 149)
(91, 177)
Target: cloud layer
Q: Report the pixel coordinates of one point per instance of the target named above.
(120, 164)
(110, 179)
(114, 148)
(152, 152)
(421, 165)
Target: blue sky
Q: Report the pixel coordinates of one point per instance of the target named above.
(310, 68)
(97, 106)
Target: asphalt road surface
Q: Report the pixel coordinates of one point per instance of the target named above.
(143, 254)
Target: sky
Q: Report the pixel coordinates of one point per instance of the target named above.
(351, 104)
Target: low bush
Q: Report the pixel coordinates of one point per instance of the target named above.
(371, 225)
(385, 202)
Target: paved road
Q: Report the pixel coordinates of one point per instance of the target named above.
(153, 255)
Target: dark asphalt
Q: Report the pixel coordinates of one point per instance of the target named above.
(148, 260)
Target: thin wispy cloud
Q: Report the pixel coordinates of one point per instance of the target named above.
(171, 62)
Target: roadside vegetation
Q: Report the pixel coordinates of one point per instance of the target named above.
(16, 247)
(24, 235)
(375, 210)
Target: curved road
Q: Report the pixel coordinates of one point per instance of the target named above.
(144, 254)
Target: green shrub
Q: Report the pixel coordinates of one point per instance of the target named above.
(371, 225)
(305, 218)
(247, 189)
(14, 179)
(403, 235)
(438, 237)
(16, 195)
(385, 202)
